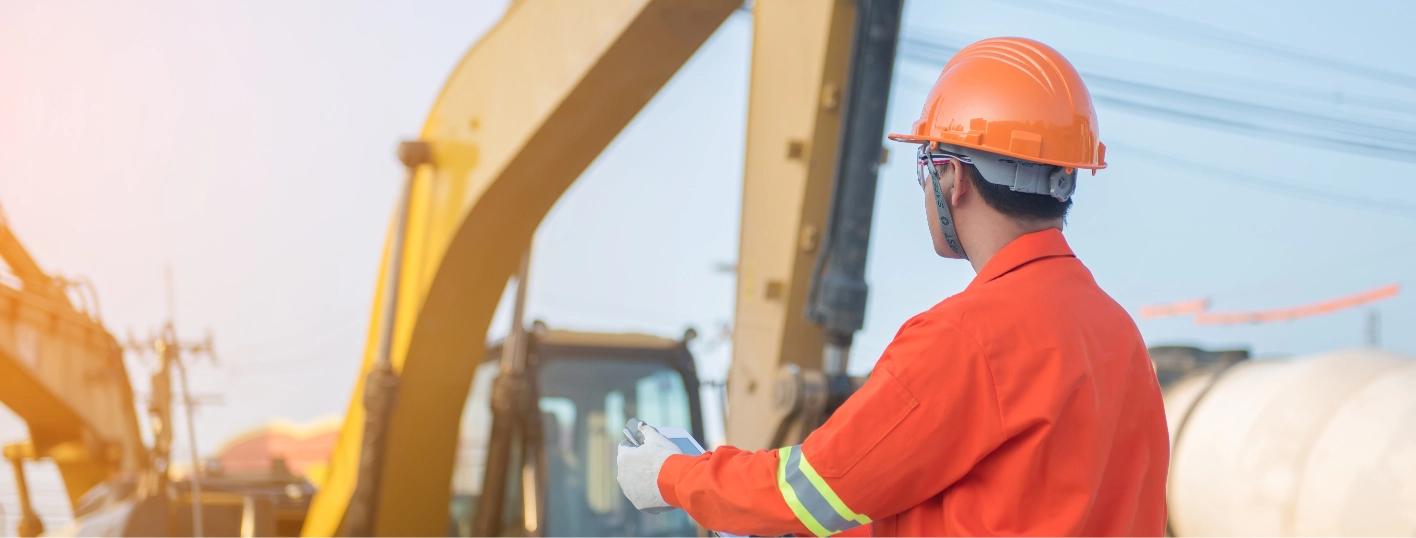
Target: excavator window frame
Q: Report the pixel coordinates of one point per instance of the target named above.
(546, 348)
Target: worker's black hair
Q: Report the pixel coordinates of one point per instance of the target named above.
(1019, 205)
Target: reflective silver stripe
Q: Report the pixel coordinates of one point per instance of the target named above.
(812, 499)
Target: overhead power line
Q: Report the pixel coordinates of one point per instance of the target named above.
(1225, 82)
(1123, 15)
(1267, 88)
(1308, 192)
(1382, 148)
(1286, 188)
(1220, 112)
(1297, 118)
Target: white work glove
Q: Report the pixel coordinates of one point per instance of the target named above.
(639, 469)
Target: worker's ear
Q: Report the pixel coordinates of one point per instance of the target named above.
(960, 182)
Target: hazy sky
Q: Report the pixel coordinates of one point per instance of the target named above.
(250, 146)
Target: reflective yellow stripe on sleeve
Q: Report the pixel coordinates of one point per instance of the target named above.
(810, 498)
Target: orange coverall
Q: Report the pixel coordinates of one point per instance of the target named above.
(1025, 405)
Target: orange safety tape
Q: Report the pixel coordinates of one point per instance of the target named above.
(1193, 306)
(1285, 314)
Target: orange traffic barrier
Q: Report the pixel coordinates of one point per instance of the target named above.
(1285, 314)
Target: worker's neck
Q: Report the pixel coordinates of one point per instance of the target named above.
(991, 231)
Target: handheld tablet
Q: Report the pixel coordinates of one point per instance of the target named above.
(684, 440)
(680, 437)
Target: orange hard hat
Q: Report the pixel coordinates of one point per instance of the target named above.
(1015, 97)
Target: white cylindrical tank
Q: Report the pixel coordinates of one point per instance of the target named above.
(1321, 445)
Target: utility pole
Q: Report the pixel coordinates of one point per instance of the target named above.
(169, 350)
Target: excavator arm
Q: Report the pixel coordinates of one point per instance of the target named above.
(816, 116)
(529, 107)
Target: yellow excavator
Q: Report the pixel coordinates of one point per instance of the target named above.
(479, 182)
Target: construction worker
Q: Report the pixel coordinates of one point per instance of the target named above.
(1024, 405)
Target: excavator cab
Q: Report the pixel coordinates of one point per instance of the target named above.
(559, 475)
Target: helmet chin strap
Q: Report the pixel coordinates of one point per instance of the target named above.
(946, 219)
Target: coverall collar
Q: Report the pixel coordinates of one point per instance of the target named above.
(1048, 243)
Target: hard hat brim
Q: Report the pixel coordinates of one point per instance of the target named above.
(916, 139)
